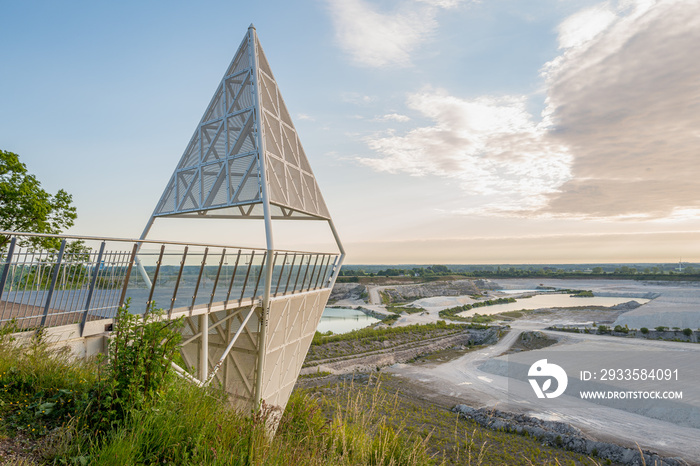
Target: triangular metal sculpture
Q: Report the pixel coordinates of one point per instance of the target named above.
(245, 161)
(245, 144)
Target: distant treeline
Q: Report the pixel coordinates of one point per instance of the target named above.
(638, 272)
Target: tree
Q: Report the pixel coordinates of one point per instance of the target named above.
(439, 269)
(26, 207)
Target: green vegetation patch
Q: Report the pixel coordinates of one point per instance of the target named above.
(369, 339)
(385, 297)
(576, 293)
(401, 309)
(453, 312)
(383, 333)
(315, 375)
(388, 320)
(479, 319)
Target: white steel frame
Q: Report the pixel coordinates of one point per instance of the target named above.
(248, 347)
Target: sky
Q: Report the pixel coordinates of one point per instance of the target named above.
(439, 131)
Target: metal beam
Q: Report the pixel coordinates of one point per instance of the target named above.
(229, 347)
(92, 288)
(53, 282)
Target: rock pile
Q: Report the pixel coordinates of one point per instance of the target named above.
(563, 435)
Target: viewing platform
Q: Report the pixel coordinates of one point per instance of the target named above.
(249, 313)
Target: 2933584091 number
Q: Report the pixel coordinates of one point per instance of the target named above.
(639, 374)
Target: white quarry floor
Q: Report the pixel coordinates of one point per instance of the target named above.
(481, 379)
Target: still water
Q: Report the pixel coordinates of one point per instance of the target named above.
(524, 291)
(551, 300)
(341, 320)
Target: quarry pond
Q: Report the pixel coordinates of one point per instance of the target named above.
(541, 301)
(343, 320)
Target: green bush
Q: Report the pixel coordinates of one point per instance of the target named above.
(141, 351)
(379, 334)
(687, 332)
(644, 330)
(129, 409)
(479, 319)
(40, 388)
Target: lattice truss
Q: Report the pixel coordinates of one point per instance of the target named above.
(245, 160)
(292, 324)
(245, 128)
(234, 371)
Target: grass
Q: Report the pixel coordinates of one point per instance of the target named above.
(39, 386)
(383, 401)
(314, 375)
(47, 396)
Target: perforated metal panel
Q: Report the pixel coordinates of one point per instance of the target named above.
(245, 161)
(221, 166)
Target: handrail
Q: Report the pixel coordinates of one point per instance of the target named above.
(40, 288)
(154, 241)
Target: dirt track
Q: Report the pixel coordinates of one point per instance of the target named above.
(470, 379)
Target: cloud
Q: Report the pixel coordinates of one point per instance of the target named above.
(618, 138)
(490, 146)
(393, 117)
(377, 39)
(442, 3)
(626, 101)
(304, 116)
(583, 26)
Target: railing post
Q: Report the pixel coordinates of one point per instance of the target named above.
(127, 277)
(155, 279)
(93, 282)
(279, 279)
(245, 282)
(289, 275)
(325, 270)
(339, 262)
(8, 262)
(53, 282)
(265, 263)
(301, 264)
(177, 283)
(204, 347)
(216, 280)
(313, 272)
(320, 269)
(199, 277)
(233, 276)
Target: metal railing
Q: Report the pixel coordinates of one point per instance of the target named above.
(89, 278)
